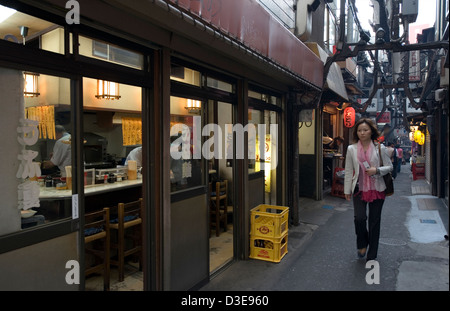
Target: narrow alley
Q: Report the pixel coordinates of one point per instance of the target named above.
(413, 253)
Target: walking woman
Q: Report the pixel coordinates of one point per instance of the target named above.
(363, 179)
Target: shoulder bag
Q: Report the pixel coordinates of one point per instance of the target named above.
(388, 180)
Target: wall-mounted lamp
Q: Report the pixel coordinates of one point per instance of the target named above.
(31, 84)
(107, 90)
(193, 106)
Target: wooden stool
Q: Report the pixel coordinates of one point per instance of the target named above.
(128, 228)
(96, 228)
(218, 205)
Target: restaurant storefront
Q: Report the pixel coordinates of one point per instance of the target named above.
(108, 92)
(320, 128)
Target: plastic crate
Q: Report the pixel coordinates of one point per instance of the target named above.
(269, 221)
(268, 249)
(418, 170)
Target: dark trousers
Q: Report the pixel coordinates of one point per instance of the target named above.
(394, 171)
(367, 236)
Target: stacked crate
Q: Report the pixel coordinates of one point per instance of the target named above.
(418, 170)
(269, 232)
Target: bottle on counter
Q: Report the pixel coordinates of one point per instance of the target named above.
(69, 177)
(132, 170)
(111, 178)
(48, 181)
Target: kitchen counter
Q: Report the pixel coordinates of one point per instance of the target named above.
(53, 193)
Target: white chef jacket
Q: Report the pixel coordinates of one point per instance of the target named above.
(62, 153)
(135, 155)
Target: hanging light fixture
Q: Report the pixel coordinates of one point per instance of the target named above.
(31, 84)
(421, 139)
(107, 90)
(193, 106)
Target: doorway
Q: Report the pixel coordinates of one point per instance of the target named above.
(112, 155)
(221, 239)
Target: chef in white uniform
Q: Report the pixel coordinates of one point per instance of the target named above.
(135, 155)
(62, 151)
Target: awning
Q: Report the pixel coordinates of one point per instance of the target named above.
(252, 25)
(335, 81)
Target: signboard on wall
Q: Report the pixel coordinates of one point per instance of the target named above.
(414, 66)
(385, 117)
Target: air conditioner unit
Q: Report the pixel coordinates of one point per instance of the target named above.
(410, 9)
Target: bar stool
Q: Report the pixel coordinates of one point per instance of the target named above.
(96, 229)
(127, 228)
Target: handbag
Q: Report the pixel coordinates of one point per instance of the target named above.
(388, 180)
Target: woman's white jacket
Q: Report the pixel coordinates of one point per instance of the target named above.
(352, 167)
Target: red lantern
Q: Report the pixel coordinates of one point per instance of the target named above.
(349, 117)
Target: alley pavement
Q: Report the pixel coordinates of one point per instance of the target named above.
(413, 254)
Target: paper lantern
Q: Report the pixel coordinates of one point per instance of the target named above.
(421, 139)
(349, 117)
(417, 135)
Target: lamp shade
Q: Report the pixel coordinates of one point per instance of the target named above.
(31, 85)
(107, 90)
(349, 117)
(193, 106)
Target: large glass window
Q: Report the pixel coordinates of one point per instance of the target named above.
(186, 168)
(330, 25)
(112, 147)
(265, 146)
(264, 117)
(255, 117)
(36, 166)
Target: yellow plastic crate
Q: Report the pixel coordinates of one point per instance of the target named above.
(269, 221)
(268, 249)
